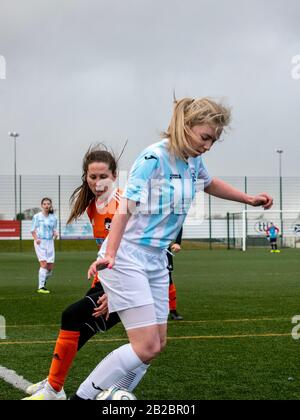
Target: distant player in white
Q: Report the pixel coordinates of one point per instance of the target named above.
(159, 193)
(44, 231)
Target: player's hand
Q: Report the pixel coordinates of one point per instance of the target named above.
(101, 264)
(38, 241)
(175, 248)
(102, 309)
(263, 199)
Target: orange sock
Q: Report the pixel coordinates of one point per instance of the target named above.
(63, 356)
(172, 297)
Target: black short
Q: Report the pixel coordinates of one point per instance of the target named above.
(170, 262)
(273, 240)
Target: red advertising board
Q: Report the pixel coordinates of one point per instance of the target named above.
(10, 229)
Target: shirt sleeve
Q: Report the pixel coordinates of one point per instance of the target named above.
(55, 224)
(203, 175)
(178, 240)
(33, 224)
(141, 172)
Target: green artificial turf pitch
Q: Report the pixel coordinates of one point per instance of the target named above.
(234, 343)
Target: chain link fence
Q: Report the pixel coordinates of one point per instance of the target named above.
(210, 228)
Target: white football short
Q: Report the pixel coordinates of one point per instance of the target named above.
(139, 277)
(45, 250)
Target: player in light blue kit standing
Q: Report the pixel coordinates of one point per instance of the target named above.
(160, 190)
(272, 234)
(44, 231)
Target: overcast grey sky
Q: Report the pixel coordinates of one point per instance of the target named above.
(81, 71)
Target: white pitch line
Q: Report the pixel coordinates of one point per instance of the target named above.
(12, 378)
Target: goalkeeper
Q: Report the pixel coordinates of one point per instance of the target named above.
(272, 234)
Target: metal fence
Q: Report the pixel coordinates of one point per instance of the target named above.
(212, 227)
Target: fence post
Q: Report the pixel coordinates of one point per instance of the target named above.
(246, 207)
(281, 208)
(59, 212)
(20, 210)
(233, 230)
(210, 222)
(228, 231)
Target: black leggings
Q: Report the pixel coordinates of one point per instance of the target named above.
(78, 317)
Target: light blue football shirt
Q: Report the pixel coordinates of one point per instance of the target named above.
(164, 187)
(44, 226)
(273, 232)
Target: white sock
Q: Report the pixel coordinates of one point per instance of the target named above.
(111, 369)
(132, 379)
(42, 277)
(49, 274)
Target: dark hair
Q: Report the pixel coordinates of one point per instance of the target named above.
(51, 211)
(82, 195)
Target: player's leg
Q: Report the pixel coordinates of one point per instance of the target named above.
(142, 320)
(172, 292)
(50, 255)
(146, 342)
(276, 246)
(43, 277)
(77, 327)
(117, 367)
(174, 315)
(50, 267)
(273, 244)
(40, 251)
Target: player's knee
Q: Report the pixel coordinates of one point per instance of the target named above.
(149, 350)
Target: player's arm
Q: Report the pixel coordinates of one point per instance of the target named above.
(117, 229)
(55, 232)
(35, 237)
(221, 189)
(33, 231)
(176, 247)
(118, 226)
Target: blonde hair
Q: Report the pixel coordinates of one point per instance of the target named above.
(189, 112)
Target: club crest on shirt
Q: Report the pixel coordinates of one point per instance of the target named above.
(193, 175)
(107, 223)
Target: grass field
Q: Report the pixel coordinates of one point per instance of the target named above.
(234, 343)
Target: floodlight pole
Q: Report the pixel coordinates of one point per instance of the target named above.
(280, 152)
(15, 135)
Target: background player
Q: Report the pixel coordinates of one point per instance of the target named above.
(174, 248)
(99, 197)
(44, 231)
(272, 234)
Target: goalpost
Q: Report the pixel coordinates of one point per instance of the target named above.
(248, 228)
